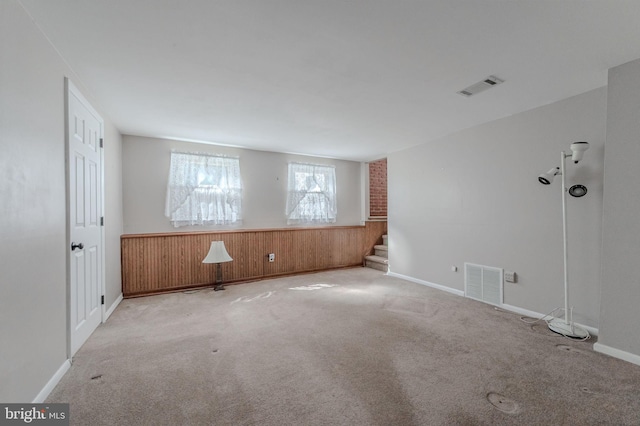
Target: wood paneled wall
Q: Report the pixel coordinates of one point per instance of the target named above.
(156, 263)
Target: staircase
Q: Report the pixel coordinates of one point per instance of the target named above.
(380, 259)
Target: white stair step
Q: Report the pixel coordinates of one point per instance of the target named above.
(385, 240)
(382, 251)
(377, 259)
(377, 262)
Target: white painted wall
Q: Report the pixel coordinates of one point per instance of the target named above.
(474, 197)
(264, 177)
(620, 313)
(33, 244)
(113, 215)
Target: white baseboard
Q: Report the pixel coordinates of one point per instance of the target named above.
(427, 283)
(46, 390)
(617, 353)
(113, 307)
(592, 330)
(521, 311)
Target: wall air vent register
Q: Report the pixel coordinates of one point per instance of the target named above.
(483, 283)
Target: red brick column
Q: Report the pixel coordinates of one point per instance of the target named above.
(378, 188)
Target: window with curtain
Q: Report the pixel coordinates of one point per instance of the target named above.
(204, 189)
(311, 194)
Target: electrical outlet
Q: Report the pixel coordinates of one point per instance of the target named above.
(510, 277)
(272, 257)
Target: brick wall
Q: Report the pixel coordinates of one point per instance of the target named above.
(378, 188)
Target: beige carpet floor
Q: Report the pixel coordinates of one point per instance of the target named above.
(345, 347)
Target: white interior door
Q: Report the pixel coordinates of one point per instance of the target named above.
(85, 211)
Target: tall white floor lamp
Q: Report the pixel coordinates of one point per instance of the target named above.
(566, 326)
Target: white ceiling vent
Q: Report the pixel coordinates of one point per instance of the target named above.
(481, 86)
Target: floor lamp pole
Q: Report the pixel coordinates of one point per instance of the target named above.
(564, 238)
(566, 326)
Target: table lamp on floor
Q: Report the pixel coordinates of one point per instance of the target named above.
(217, 254)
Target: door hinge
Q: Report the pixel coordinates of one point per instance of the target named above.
(102, 300)
(101, 143)
(101, 220)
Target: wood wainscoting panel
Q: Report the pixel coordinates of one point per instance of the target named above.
(285, 246)
(156, 263)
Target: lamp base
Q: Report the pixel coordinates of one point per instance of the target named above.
(218, 285)
(561, 327)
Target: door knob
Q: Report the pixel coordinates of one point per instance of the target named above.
(75, 246)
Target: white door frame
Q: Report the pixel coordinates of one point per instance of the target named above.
(69, 87)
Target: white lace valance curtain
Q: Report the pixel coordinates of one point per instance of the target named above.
(311, 194)
(203, 190)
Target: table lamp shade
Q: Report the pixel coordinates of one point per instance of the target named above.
(217, 253)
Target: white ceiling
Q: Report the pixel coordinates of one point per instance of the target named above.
(336, 78)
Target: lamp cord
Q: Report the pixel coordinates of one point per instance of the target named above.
(527, 320)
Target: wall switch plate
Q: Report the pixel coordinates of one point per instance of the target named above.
(272, 257)
(510, 277)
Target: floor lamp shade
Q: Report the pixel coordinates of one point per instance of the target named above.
(217, 254)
